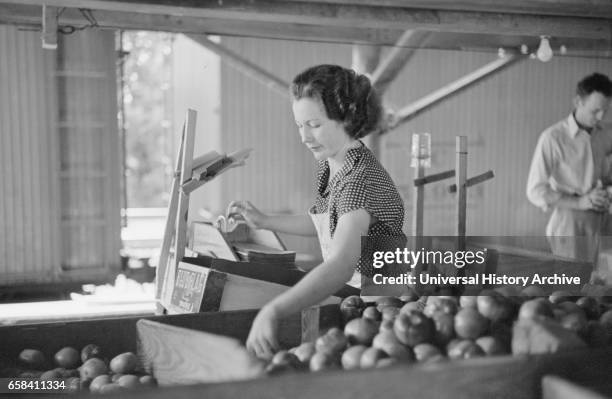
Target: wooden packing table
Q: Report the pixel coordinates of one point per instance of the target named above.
(204, 284)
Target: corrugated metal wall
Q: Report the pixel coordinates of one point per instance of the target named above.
(59, 157)
(279, 176)
(29, 217)
(89, 151)
(502, 116)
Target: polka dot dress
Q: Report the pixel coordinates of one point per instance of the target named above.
(362, 183)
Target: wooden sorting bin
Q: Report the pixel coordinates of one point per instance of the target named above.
(115, 336)
(205, 284)
(499, 377)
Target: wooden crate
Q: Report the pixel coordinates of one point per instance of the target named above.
(120, 335)
(499, 377)
(205, 284)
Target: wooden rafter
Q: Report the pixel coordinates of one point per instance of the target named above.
(249, 68)
(395, 60)
(582, 8)
(361, 15)
(410, 111)
(29, 15)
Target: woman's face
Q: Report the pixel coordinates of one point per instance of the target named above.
(323, 136)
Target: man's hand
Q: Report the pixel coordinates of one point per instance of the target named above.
(596, 199)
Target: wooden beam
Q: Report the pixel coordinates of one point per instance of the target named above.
(247, 67)
(349, 15)
(570, 8)
(49, 27)
(410, 111)
(29, 15)
(394, 62)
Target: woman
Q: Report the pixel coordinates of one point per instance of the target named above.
(333, 108)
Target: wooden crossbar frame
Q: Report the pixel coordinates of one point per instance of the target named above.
(460, 187)
(189, 174)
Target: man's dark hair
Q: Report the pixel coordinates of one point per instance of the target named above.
(596, 82)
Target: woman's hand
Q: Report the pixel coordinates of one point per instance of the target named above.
(262, 339)
(252, 216)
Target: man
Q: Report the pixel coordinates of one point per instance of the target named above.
(571, 169)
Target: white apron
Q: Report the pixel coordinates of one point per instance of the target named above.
(321, 223)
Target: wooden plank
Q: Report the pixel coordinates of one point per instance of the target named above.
(245, 66)
(348, 15)
(554, 387)
(176, 355)
(434, 178)
(505, 377)
(472, 181)
(397, 58)
(412, 110)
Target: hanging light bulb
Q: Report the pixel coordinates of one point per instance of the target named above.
(501, 52)
(544, 52)
(524, 49)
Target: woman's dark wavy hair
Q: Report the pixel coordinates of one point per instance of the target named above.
(347, 97)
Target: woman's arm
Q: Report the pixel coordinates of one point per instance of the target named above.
(300, 225)
(323, 281)
(291, 224)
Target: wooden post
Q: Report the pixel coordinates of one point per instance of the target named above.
(460, 181)
(177, 214)
(419, 199)
(49, 27)
(186, 172)
(164, 254)
(419, 154)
